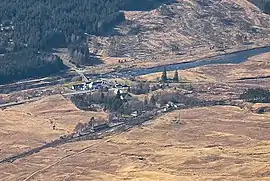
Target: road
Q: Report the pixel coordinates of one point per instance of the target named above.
(18, 102)
(63, 54)
(235, 58)
(77, 92)
(37, 98)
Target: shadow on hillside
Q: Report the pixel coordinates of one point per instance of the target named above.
(92, 60)
(144, 5)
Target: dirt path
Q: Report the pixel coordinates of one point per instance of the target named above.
(55, 163)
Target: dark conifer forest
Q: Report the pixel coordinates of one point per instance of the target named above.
(28, 63)
(32, 26)
(263, 4)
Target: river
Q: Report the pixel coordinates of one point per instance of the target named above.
(230, 58)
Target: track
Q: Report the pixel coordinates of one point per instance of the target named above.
(18, 103)
(57, 142)
(103, 131)
(118, 127)
(63, 54)
(55, 163)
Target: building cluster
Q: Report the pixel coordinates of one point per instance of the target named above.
(100, 85)
(89, 85)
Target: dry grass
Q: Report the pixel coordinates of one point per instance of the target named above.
(186, 76)
(115, 60)
(212, 143)
(30, 125)
(257, 66)
(188, 25)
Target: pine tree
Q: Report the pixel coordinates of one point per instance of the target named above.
(102, 96)
(145, 102)
(118, 94)
(117, 103)
(176, 76)
(153, 100)
(164, 77)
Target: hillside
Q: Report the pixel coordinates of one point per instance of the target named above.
(39, 26)
(29, 29)
(28, 63)
(31, 125)
(263, 4)
(210, 143)
(174, 97)
(145, 30)
(186, 27)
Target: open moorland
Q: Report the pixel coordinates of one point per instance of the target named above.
(200, 143)
(33, 124)
(256, 67)
(209, 143)
(202, 125)
(182, 31)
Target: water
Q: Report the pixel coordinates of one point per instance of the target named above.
(231, 58)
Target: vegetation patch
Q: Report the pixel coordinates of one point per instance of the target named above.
(258, 95)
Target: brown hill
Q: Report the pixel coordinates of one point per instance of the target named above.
(211, 143)
(30, 125)
(186, 27)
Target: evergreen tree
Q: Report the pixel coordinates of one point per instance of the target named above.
(145, 102)
(176, 76)
(153, 100)
(164, 77)
(117, 102)
(102, 96)
(118, 94)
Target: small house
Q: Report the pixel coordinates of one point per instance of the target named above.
(125, 96)
(78, 87)
(120, 86)
(96, 84)
(118, 90)
(134, 114)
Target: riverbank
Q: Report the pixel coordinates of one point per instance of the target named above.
(165, 61)
(174, 59)
(255, 68)
(230, 58)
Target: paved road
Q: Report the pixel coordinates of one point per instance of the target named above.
(77, 92)
(37, 98)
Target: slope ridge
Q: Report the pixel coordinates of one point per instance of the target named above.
(186, 27)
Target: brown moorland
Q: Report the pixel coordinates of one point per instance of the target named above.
(255, 67)
(209, 143)
(30, 125)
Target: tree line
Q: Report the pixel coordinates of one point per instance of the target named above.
(164, 77)
(263, 4)
(143, 4)
(33, 26)
(257, 95)
(51, 23)
(45, 24)
(30, 64)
